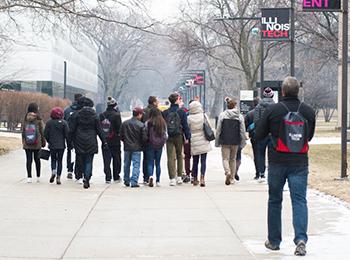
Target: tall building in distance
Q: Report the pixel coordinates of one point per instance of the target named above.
(35, 62)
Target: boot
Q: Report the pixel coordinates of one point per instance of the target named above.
(195, 181)
(58, 180)
(202, 181)
(53, 176)
(228, 179)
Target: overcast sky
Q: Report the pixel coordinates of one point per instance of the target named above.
(162, 9)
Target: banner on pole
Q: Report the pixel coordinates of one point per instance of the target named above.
(275, 24)
(322, 5)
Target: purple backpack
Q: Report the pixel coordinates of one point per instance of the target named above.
(156, 141)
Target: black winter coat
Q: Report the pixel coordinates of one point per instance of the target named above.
(133, 135)
(84, 128)
(116, 121)
(270, 124)
(56, 133)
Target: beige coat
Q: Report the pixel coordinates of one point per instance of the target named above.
(199, 144)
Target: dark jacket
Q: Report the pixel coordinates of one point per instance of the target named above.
(84, 127)
(34, 118)
(114, 117)
(56, 133)
(260, 109)
(183, 116)
(270, 124)
(134, 135)
(68, 111)
(249, 124)
(146, 113)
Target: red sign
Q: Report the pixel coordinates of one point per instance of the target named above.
(321, 5)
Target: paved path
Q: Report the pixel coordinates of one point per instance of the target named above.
(43, 221)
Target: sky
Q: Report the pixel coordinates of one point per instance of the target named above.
(162, 9)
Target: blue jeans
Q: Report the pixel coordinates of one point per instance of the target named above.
(56, 160)
(85, 162)
(297, 181)
(203, 158)
(153, 159)
(262, 145)
(135, 159)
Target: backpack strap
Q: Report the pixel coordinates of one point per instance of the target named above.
(285, 106)
(299, 106)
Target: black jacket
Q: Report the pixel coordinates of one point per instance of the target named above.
(183, 116)
(56, 133)
(146, 113)
(134, 135)
(249, 124)
(270, 123)
(84, 127)
(116, 121)
(68, 111)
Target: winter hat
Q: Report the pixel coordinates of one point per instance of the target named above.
(85, 102)
(111, 101)
(268, 93)
(57, 113)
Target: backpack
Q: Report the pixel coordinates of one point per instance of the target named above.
(174, 126)
(156, 141)
(292, 137)
(31, 133)
(107, 128)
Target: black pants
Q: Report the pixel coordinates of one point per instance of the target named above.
(79, 166)
(109, 155)
(70, 164)
(29, 154)
(144, 167)
(255, 153)
(56, 160)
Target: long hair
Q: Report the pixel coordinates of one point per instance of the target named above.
(157, 121)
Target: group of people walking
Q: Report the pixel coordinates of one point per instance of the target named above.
(284, 129)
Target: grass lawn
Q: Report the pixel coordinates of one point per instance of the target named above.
(8, 144)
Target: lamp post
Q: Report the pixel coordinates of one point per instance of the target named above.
(64, 79)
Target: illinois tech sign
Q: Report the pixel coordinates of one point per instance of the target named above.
(275, 24)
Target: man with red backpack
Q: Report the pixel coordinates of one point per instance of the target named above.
(291, 124)
(111, 124)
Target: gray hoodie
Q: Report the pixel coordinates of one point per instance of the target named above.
(231, 114)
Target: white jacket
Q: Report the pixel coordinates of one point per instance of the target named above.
(199, 144)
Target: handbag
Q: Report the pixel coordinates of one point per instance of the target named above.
(44, 154)
(208, 131)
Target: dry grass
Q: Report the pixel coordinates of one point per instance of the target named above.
(324, 168)
(8, 144)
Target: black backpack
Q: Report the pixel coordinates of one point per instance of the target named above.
(292, 137)
(174, 126)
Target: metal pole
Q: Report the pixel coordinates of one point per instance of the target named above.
(344, 121)
(292, 38)
(65, 79)
(204, 91)
(261, 66)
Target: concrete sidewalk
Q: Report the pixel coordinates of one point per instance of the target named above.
(43, 221)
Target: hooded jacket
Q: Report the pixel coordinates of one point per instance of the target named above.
(68, 111)
(199, 144)
(34, 118)
(56, 133)
(113, 115)
(84, 129)
(222, 132)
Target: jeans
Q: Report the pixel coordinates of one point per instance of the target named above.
(85, 165)
(56, 160)
(203, 158)
(153, 159)
(262, 145)
(70, 164)
(187, 152)
(135, 159)
(297, 181)
(29, 155)
(229, 156)
(112, 153)
(174, 147)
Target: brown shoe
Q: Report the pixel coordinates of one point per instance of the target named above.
(228, 179)
(150, 182)
(202, 181)
(195, 182)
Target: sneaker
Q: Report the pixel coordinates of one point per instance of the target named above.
(237, 177)
(300, 250)
(228, 179)
(38, 179)
(69, 175)
(270, 246)
(172, 182)
(117, 180)
(150, 183)
(186, 179)
(108, 182)
(127, 184)
(58, 180)
(256, 177)
(179, 180)
(86, 184)
(158, 184)
(80, 181)
(135, 186)
(52, 179)
(29, 180)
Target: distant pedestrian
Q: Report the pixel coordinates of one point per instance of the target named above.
(250, 127)
(68, 112)
(230, 135)
(134, 137)
(111, 123)
(178, 130)
(266, 143)
(85, 127)
(56, 134)
(200, 146)
(291, 124)
(152, 103)
(157, 136)
(33, 139)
